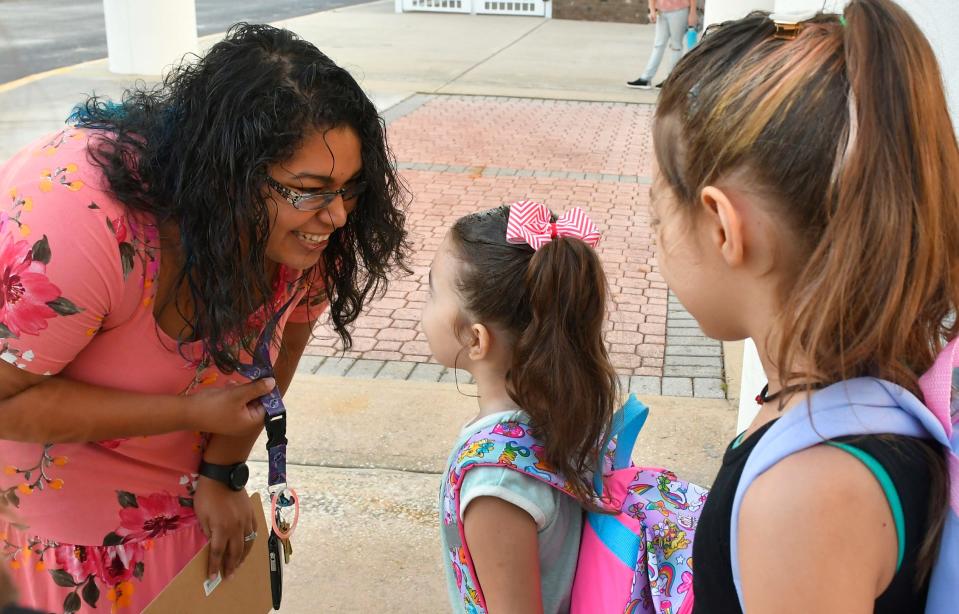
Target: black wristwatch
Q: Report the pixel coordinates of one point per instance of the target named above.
(234, 476)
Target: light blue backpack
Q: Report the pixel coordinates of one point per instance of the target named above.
(872, 406)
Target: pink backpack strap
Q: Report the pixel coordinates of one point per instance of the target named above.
(939, 390)
(509, 445)
(937, 385)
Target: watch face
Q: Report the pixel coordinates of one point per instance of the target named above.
(240, 475)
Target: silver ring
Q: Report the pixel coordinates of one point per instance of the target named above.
(250, 537)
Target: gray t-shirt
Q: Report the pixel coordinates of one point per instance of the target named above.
(559, 518)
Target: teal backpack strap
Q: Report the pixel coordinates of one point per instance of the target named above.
(888, 488)
(617, 450)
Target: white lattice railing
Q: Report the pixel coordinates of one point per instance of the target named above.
(511, 7)
(438, 6)
(534, 8)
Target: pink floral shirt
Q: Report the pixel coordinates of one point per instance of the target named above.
(78, 278)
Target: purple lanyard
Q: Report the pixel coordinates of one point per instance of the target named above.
(283, 499)
(275, 419)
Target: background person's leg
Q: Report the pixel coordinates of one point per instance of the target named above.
(659, 46)
(676, 23)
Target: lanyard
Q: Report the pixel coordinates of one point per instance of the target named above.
(275, 418)
(282, 498)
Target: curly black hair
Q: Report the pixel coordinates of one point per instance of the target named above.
(194, 151)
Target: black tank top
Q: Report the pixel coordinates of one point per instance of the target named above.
(904, 460)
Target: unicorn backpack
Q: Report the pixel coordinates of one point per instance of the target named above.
(872, 406)
(635, 560)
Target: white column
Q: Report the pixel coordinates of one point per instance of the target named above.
(936, 18)
(145, 37)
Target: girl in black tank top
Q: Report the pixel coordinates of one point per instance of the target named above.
(903, 458)
(806, 196)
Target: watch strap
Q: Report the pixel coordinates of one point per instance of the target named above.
(220, 473)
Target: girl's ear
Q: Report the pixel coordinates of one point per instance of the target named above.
(726, 232)
(480, 342)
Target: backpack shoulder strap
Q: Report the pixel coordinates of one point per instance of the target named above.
(939, 384)
(860, 406)
(617, 449)
(940, 389)
(510, 445)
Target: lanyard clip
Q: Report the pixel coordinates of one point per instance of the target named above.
(275, 430)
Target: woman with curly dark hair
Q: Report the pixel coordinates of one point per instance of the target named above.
(143, 249)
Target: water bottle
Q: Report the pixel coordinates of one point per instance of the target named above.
(690, 37)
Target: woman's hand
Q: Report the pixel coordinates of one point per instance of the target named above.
(226, 517)
(233, 411)
(652, 16)
(693, 19)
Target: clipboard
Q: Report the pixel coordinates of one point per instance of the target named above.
(246, 592)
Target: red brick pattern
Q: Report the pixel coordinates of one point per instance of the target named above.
(559, 135)
(524, 134)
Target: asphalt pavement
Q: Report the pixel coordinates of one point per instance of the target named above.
(40, 35)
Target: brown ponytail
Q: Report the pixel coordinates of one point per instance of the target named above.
(902, 168)
(891, 286)
(846, 129)
(552, 302)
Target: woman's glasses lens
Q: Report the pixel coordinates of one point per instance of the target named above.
(322, 201)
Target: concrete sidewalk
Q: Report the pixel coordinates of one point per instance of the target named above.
(368, 457)
(365, 454)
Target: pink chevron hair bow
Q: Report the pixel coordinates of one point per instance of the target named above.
(529, 223)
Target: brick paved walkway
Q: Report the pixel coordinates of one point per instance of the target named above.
(460, 154)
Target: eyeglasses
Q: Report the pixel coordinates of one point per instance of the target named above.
(315, 201)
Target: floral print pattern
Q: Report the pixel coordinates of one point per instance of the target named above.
(152, 516)
(60, 176)
(34, 477)
(27, 297)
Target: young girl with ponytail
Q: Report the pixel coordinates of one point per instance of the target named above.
(807, 196)
(518, 299)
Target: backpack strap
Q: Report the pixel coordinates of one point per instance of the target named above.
(617, 450)
(940, 389)
(861, 406)
(938, 384)
(511, 445)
